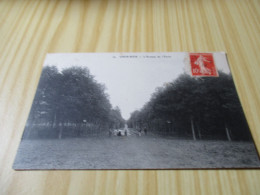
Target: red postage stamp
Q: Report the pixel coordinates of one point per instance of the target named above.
(202, 64)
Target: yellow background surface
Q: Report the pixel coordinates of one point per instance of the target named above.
(30, 29)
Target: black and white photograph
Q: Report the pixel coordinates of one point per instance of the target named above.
(136, 111)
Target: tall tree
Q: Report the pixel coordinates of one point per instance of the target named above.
(71, 100)
(197, 107)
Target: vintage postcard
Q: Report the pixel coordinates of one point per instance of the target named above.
(136, 111)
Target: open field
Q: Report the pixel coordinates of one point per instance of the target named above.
(133, 152)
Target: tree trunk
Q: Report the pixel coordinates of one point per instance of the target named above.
(228, 133)
(192, 129)
(54, 121)
(199, 131)
(29, 131)
(60, 131)
(78, 127)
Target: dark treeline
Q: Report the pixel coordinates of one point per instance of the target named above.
(194, 108)
(70, 103)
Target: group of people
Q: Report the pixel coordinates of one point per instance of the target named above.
(140, 131)
(118, 133)
(124, 132)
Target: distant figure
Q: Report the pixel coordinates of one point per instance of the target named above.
(110, 130)
(145, 131)
(119, 133)
(140, 132)
(125, 130)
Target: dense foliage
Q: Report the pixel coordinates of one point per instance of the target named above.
(70, 103)
(199, 108)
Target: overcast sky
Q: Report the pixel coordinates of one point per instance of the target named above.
(130, 78)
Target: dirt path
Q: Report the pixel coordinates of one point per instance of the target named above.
(133, 152)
